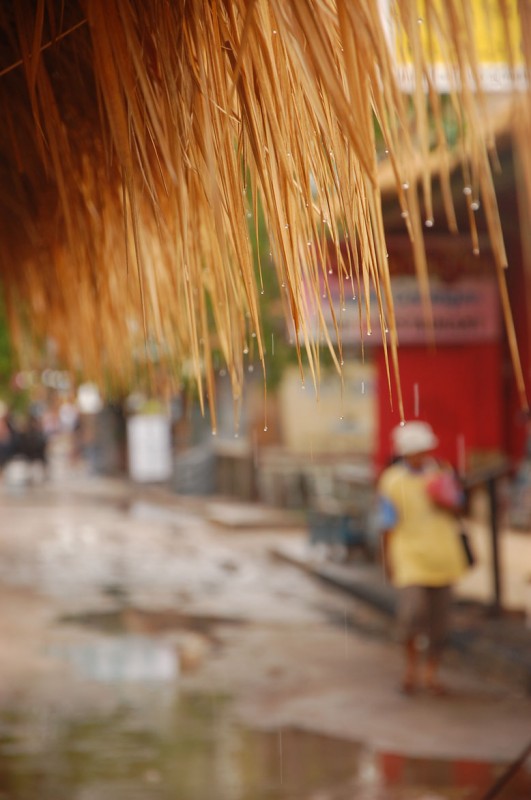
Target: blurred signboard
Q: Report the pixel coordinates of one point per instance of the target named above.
(464, 311)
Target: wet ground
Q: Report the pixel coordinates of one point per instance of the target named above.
(190, 747)
(147, 654)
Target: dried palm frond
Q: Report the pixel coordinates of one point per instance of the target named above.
(139, 135)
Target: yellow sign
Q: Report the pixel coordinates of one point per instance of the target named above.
(435, 41)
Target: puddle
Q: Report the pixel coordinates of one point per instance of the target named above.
(167, 745)
(130, 619)
(119, 659)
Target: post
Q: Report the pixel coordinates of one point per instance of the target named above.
(495, 544)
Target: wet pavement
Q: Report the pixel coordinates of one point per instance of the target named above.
(147, 652)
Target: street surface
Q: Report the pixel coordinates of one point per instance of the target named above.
(137, 636)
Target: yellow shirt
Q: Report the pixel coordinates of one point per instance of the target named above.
(424, 546)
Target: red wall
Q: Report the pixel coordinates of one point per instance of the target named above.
(459, 394)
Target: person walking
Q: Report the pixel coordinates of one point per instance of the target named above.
(422, 551)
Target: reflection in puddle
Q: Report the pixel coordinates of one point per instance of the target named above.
(119, 659)
(161, 746)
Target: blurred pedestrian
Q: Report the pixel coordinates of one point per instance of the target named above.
(422, 550)
(6, 435)
(33, 444)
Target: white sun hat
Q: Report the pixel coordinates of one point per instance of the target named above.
(413, 437)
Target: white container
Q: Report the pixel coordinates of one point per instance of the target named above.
(149, 448)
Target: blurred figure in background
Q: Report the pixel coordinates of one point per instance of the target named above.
(33, 444)
(22, 441)
(6, 436)
(422, 550)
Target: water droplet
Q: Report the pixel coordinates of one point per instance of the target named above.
(331, 153)
(402, 423)
(386, 330)
(429, 222)
(324, 296)
(476, 251)
(405, 185)
(250, 368)
(347, 278)
(214, 432)
(253, 334)
(245, 350)
(386, 151)
(262, 291)
(467, 190)
(249, 215)
(341, 362)
(404, 215)
(283, 285)
(236, 435)
(474, 205)
(330, 271)
(420, 20)
(369, 333)
(363, 387)
(288, 155)
(265, 428)
(303, 386)
(286, 226)
(222, 373)
(274, 32)
(309, 244)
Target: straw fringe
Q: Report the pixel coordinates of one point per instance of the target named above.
(145, 135)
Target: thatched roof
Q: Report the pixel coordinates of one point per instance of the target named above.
(138, 137)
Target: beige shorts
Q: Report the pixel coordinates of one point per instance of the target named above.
(424, 610)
